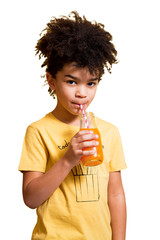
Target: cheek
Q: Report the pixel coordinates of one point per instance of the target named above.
(92, 94)
(63, 94)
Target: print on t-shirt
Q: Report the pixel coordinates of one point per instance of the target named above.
(86, 183)
(86, 180)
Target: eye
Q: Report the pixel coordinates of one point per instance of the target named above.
(91, 84)
(71, 82)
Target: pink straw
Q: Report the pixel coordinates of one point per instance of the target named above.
(84, 115)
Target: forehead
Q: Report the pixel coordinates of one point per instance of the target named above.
(74, 69)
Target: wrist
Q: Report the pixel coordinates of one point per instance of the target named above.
(67, 163)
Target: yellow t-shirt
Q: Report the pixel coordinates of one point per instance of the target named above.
(78, 209)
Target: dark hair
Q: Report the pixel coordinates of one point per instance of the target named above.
(68, 39)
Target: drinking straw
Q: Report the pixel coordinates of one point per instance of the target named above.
(84, 115)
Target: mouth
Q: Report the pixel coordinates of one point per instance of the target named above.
(78, 105)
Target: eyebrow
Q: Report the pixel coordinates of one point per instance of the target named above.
(75, 78)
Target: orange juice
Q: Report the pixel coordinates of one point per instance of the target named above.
(97, 158)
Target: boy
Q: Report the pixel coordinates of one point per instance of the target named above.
(73, 201)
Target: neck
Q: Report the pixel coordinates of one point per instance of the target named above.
(66, 117)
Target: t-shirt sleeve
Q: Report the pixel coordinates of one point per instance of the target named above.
(34, 152)
(117, 160)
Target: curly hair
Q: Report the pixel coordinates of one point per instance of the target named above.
(75, 39)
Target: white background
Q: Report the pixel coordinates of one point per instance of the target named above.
(129, 98)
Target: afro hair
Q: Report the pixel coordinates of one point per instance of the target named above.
(75, 39)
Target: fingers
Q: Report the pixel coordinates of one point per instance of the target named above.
(85, 135)
(84, 139)
(89, 152)
(86, 144)
(82, 144)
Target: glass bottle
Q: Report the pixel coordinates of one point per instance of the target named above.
(87, 121)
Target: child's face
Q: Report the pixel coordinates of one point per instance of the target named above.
(74, 86)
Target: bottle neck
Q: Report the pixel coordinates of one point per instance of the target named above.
(87, 120)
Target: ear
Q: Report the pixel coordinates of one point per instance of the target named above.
(50, 80)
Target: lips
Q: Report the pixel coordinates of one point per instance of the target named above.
(78, 104)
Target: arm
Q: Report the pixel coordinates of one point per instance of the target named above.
(38, 187)
(117, 206)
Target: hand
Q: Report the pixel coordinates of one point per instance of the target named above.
(81, 140)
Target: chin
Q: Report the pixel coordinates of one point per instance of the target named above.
(75, 112)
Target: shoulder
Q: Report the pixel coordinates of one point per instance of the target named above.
(104, 125)
(40, 127)
(41, 123)
(107, 129)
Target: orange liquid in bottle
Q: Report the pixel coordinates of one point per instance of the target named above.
(97, 158)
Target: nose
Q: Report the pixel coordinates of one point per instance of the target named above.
(81, 92)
